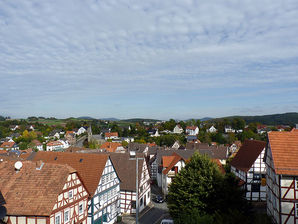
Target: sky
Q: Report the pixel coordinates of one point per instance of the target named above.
(151, 59)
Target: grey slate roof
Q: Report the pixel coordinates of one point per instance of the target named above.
(2, 201)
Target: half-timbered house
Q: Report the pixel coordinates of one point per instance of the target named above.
(98, 174)
(42, 193)
(126, 170)
(249, 167)
(281, 159)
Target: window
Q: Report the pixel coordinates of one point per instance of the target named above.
(103, 179)
(148, 195)
(66, 216)
(133, 204)
(296, 181)
(257, 177)
(70, 194)
(255, 187)
(81, 208)
(58, 219)
(296, 209)
(141, 202)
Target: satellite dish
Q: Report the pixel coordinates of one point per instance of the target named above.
(2, 212)
(18, 165)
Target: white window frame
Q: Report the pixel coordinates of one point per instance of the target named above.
(81, 211)
(67, 211)
(58, 215)
(296, 210)
(70, 194)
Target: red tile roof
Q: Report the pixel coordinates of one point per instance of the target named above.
(36, 142)
(284, 148)
(31, 191)
(247, 154)
(110, 146)
(111, 134)
(54, 143)
(218, 163)
(191, 127)
(7, 144)
(176, 158)
(166, 161)
(89, 166)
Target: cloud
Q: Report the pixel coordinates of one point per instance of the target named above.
(154, 49)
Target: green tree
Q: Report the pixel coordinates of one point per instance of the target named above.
(199, 190)
(194, 187)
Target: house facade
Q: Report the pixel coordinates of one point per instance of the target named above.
(81, 131)
(111, 135)
(37, 144)
(212, 129)
(48, 193)
(249, 166)
(127, 172)
(192, 130)
(282, 176)
(54, 146)
(171, 166)
(178, 129)
(100, 178)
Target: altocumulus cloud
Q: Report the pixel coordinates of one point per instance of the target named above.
(110, 57)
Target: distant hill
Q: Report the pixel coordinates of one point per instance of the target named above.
(86, 118)
(110, 119)
(272, 119)
(134, 120)
(201, 119)
(206, 118)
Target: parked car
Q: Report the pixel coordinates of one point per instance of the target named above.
(167, 221)
(159, 199)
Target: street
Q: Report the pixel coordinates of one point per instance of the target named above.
(153, 215)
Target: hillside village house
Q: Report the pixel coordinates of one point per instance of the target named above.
(192, 130)
(281, 159)
(112, 147)
(70, 136)
(81, 130)
(14, 127)
(42, 193)
(9, 145)
(178, 129)
(249, 167)
(54, 146)
(126, 170)
(98, 175)
(171, 166)
(212, 129)
(229, 129)
(154, 133)
(37, 144)
(111, 135)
